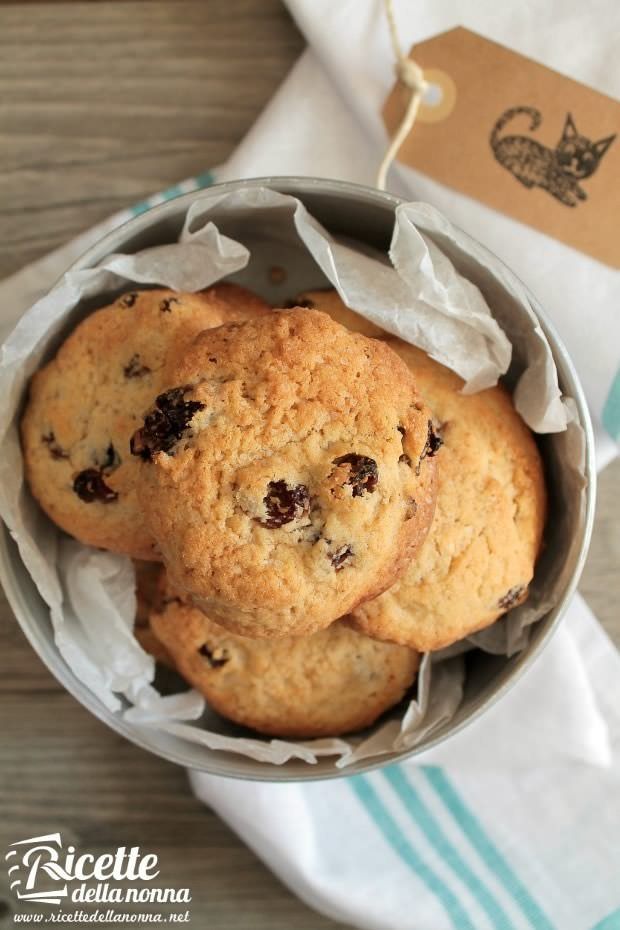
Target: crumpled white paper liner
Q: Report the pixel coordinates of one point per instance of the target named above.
(421, 298)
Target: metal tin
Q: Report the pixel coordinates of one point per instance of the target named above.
(366, 215)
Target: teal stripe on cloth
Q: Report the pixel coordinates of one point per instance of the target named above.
(484, 846)
(611, 922)
(404, 849)
(171, 192)
(431, 828)
(139, 208)
(611, 410)
(206, 179)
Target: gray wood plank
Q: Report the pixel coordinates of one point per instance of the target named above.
(104, 104)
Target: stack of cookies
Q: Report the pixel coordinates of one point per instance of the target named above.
(322, 502)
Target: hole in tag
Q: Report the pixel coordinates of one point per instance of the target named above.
(433, 96)
(440, 97)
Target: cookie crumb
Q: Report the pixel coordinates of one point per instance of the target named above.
(512, 597)
(277, 274)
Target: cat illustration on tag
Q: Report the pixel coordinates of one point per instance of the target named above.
(557, 170)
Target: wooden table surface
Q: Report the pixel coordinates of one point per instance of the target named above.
(102, 104)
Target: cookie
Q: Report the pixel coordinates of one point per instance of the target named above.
(149, 597)
(287, 474)
(148, 589)
(479, 556)
(86, 403)
(333, 682)
(328, 301)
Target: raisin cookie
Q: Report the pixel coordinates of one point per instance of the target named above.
(328, 301)
(287, 473)
(149, 597)
(86, 403)
(333, 682)
(480, 553)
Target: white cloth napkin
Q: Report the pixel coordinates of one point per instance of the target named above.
(515, 822)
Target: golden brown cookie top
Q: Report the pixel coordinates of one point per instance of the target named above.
(479, 556)
(333, 682)
(85, 404)
(287, 473)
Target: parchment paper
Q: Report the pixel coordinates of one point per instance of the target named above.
(420, 297)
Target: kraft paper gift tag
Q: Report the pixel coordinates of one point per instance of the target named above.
(517, 136)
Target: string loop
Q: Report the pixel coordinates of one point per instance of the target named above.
(411, 75)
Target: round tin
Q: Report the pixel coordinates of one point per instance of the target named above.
(365, 215)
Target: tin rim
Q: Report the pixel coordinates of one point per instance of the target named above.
(46, 650)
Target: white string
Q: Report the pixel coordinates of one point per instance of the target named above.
(411, 75)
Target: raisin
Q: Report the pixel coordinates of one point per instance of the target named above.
(164, 426)
(128, 300)
(434, 441)
(284, 503)
(340, 557)
(90, 486)
(55, 450)
(216, 658)
(305, 302)
(412, 509)
(512, 597)
(363, 474)
(433, 444)
(111, 460)
(133, 368)
(166, 305)
(406, 459)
